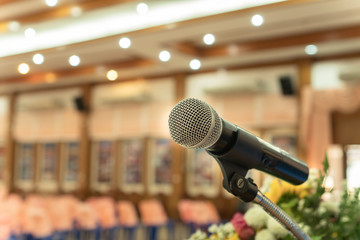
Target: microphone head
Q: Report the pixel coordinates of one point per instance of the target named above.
(194, 124)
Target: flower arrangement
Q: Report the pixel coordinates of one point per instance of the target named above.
(317, 210)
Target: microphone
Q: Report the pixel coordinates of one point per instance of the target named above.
(195, 124)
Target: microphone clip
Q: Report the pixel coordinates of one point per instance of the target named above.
(234, 180)
(243, 188)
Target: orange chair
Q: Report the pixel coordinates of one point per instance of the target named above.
(154, 217)
(127, 215)
(128, 219)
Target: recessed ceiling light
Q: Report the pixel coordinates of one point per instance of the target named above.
(38, 58)
(76, 11)
(257, 20)
(23, 68)
(50, 77)
(311, 49)
(209, 39)
(74, 60)
(125, 42)
(30, 33)
(195, 64)
(164, 56)
(112, 75)
(142, 8)
(51, 3)
(13, 26)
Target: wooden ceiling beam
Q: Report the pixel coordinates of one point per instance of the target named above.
(278, 42)
(53, 76)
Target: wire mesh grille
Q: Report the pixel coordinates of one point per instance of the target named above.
(194, 124)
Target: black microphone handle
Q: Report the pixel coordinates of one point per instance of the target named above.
(281, 164)
(241, 148)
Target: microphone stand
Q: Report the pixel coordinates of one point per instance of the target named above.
(246, 190)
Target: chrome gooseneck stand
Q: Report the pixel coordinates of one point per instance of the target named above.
(246, 190)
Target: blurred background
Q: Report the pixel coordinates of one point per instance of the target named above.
(86, 87)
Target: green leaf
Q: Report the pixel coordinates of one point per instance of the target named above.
(326, 165)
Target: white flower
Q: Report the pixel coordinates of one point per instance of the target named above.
(330, 206)
(345, 219)
(301, 204)
(276, 228)
(323, 223)
(198, 235)
(228, 227)
(305, 228)
(264, 234)
(213, 228)
(256, 217)
(321, 210)
(308, 211)
(221, 235)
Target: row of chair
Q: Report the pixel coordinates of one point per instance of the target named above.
(65, 218)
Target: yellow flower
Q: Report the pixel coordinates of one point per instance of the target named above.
(279, 187)
(234, 237)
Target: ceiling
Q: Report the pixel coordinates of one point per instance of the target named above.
(91, 29)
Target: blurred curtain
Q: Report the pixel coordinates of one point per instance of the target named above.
(315, 122)
(47, 125)
(47, 116)
(130, 119)
(256, 110)
(4, 111)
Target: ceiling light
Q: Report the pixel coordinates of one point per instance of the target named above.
(195, 64)
(76, 11)
(311, 49)
(64, 32)
(112, 75)
(209, 39)
(23, 68)
(51, 3)
(142, 8)
(257, 20)
(74, 60)
(125, 42)
(13, 26)
(50, 77)
(30, 33)
(38, 58)
(164, 56)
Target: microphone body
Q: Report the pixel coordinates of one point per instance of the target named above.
(248, 151)
(195, 124)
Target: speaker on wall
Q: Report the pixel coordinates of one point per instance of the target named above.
(287, 86)
(79, 104)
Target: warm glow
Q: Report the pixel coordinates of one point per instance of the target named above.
(23, 68)
(76, 11)
(112, 75)
(50, 77)
(14, 26)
